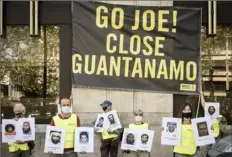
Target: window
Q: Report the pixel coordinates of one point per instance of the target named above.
(30, 72)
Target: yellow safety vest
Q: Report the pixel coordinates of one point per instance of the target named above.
(187, 143)
(69, 125)
(106, 135)
(141, 126)
(13, 147)
(216, 129)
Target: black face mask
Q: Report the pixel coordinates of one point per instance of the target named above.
(187, 115)
(104, 108)
(18, 114)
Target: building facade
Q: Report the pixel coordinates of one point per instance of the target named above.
(58, 14)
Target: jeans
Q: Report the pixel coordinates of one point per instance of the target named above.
(109, 147)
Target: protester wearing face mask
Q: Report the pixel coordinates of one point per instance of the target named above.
(69, 122)
(19, 148)
(187, 146)
(110, 139)
(138, 124)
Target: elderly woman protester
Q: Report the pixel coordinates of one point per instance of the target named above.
(19, 148)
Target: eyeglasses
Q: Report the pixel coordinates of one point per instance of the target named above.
(136, 114)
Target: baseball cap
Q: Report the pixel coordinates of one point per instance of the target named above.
(106, 102)
(138, 112)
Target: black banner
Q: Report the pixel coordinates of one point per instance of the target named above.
(138, 48)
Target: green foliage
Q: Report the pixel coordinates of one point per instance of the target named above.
(22, 58)
(209, 47)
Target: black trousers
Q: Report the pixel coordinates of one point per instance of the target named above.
(109, 147)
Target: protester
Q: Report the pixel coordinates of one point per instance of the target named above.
(110, 139)
(19, 148)
(187, 146)
(224, 128)
(69, 122)
(138, 124)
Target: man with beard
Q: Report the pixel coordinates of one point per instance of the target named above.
(111, 119)
(144, 138)
(20, 148)
(130, 139)
(211, 110)
(26, 128)
(55, 137)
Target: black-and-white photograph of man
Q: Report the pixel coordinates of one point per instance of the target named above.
(111, 119)
(130, 139)
(54, 142)
(84, 137)
(202, 129)
(211, 110)
(100, 122)
(55, 137)
(26, 128)
(144, 138)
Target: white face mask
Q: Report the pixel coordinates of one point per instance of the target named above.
(138, 118)
(66, 109)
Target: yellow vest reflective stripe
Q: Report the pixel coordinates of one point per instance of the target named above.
(187, 143)
(13, 147)
(216, 129)
(141, 126)
(69, 125)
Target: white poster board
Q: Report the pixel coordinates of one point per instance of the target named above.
(26, 129)
(10, 130)
(100, 122)
(54, 142)
(171, 132)
(145, 139)
(212, 110)
(84, 139)
(129, 140)
(112, 120)
(59, 109)
(202, 131)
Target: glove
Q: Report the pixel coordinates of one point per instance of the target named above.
(83, 152)
(126, 151)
